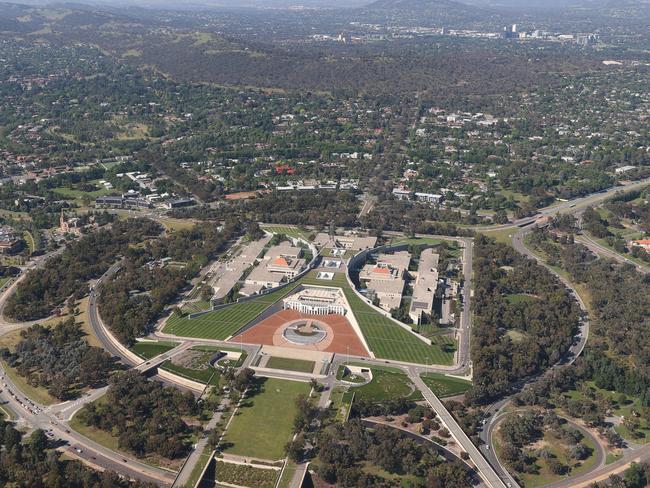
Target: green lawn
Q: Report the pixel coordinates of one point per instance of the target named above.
(503, 236)
(387, 384)
(445, 386)
(343, 373)
(288, 231)
(299, 365)
(264, 424)
(226, 321)
(148, 350)
(72, 193)
(197, 306)
(385, 338)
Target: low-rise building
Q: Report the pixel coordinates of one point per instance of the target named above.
(280, 264)
(425, 286)
(387, 278)
(348, 242)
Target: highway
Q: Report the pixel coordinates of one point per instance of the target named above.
(524, 227)
(484, 468)
(36, 416)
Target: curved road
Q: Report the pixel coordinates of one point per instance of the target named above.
(564, 483)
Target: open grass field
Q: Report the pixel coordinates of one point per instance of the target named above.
(263, 425)
(289, 231)
(503, 236)
(72, 193)
(148, 350)
(176, 224)
(287, 364)
(445, 386)
(387, 384)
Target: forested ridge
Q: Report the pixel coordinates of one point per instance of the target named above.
(524, 319)
(67, 274)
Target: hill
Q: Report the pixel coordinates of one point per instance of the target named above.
(426, 12)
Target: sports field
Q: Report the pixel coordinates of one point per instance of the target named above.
(386, 338)
(263, 425)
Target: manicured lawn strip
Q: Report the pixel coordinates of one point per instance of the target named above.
(264, 424)
(206, 457)
(287, 475)
(287, 364)
(200, 375)
(343, 373)
(242, 475)
(148, 350)
(197, 306)
(444, 386)
(38, 394)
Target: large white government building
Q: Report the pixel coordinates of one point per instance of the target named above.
(317, 301)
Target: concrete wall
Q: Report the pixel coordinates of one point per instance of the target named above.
(174, 378)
